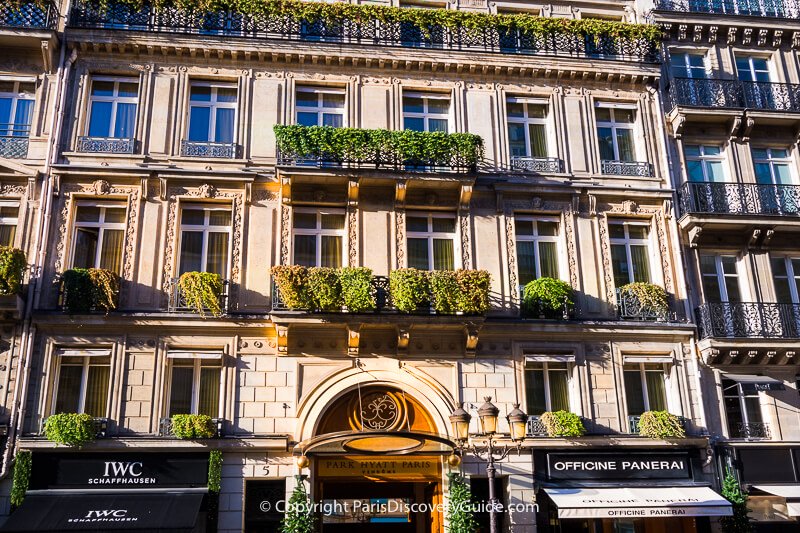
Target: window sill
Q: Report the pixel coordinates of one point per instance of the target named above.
(103, 155)
(189, 159)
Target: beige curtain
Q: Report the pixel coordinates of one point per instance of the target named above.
(111, 252)
(97, 390)
(331, 251)
(208, 403)
(217, 254)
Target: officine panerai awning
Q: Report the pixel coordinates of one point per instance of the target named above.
(790, 492)
(638, 502)
(121, 511)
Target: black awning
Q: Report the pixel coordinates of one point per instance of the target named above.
(167, 511)
(753, 383)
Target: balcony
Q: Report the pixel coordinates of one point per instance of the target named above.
(630, 307)
(12, 147)
(32, 15)
(734, 94)
(100, 425)
(105, 145)
(535, 427)
(177, 300)
(746, 320)
(165, 427)
(361, 26)
(752, 8)
(626, 168)
(633, 424)
(739, 199)
(545, 165)
(751, 431)
(209, 149)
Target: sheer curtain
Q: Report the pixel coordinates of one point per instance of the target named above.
(559, 389)
(418, 254)
(224, 125)
(443, 254)
(100, 120)
(625, 145)
(85, 247)
(538, 135)
(534, 389)
(305, 250)
(97, 389)
(69, 388)
(191, 251)
(331, 251)
(217, 253)
(126, 118)
(7, 234)
(656, 390)
(526, 261)
(111, 252)
(208, 401)
(548, 259)
(22, 119)
(640, 263)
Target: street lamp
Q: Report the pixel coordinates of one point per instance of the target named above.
(489, 452)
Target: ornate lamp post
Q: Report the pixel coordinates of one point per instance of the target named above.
(489, 452)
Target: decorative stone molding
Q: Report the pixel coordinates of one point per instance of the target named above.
(466, 238)
(400, 237)
(101, 187)
(352, 236)
(286, 232)
(511, 252)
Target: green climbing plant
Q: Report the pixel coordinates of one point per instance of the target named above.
(563, 424)
(69, 429)
(22, 477)
(202, 291)
(739, 522)
(460, 513)
(185, 426)
(12, 269)
(661, 425)
(299, 517)
(89, 289)
(214, 471)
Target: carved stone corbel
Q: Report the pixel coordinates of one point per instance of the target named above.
(353, 339)
(400, 189)
(736, 123)
(471, 336)
(712, 34)
(162, 189)
(698, 33)
(352, 193)
(248, 193)
(777, 38)
(754, 235)
(464, 197)
(694, 236)
(283, 339)
(732, 31)
(768, 237)
(286, 190)
(403, 338)
(749, 122)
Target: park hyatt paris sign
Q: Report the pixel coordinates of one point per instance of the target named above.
(600, 467)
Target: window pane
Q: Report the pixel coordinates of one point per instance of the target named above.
(115, 215)
(733, 411)
(534, 391)
(616, 231)
(223, 132)
(619, 262)
(199, 120)
(547, 229)
(200, 93)
(69, 389)
(418, 254)
(624, 115)
(603, 114)
(634, 395)
(332, 221)
(523, 227)
(85, 248)
(126, 118)
(217, 262)
(102, 88)
(438, 106)
(333, 100)
(87, 213)
(128, 90)
(638, 231)
(783, 175)
(437, 124)
(306, 99)
(414, 123)
(219, 218)
(193, 217)
(180, 393)
(412, 104)
(752, 407)
(332, 119)
(656, 390)
(111, 252)
(516, 140)
(191, 251)
(715, 171)
(305, 220)
(625, 145)
(226, 94)
(640, 264)
(305, 250)
(443, 254)
(307, 119)
(606, 143)
(417, 223)
(7, 233)
(100, 120)
(537, 111)
(559, 390)
(97, 390)
(548, 259)
(331, 251)
(538, 134)
(208, 403)
(515, 109)
(526, 261)
(22, 120)
(443, 225)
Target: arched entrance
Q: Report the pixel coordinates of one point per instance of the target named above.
(377, 463)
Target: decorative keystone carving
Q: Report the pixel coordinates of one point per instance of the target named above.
(101, 187)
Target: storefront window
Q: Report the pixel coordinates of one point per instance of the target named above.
(195, 387)
(645, 388)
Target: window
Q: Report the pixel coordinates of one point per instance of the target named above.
(704, 163)
(527, 128)
(743, 410)
(318, 238)
(772, 166)
(720, 278)
(9, 211)
(431, 241)
(112, 107)
(786, 276)
(99, 236)
(194, 386)
(630, 252)
(645, 388)
(82, 385)
(320, 107)
(537, 248)
(16, 108)
(212, 112)
(205, 239)
(615, 133)
(546, 387)
(750, 68)
(688, 65)
(426, 112)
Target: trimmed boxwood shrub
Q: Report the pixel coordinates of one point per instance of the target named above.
(70, 429)
(12, 269)
(473, 291)
(292, 283)
(324, 289)
(356, 286)
(563, 424)
(546, 297)
(90, 289)
(410, 289)
(193, 426)
(444, 290)
(660, 425)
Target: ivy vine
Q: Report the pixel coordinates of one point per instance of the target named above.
(89, 289)
(214, 471)
(22, 477)
(460, 506)
(193, 426)
(12, 269)
(202, 292)
(70, 429)
(661, 425)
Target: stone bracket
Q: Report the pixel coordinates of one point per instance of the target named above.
(283, 339)
(353, 339)
(403, 338)
(471, 339)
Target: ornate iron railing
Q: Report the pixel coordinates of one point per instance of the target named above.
(165, 427)
(633, 423)
(626, 168)
(177, 300)
(209, 149)
(536, 164)
(12, 147)
(734, 94)
(752, 430)
(739, 198)
(365, 30)
(99, 424)
(535, 427)
(630, 308)
(748, 319)
(34, 15)
(105, 145)
(757, 8)
(379, 163)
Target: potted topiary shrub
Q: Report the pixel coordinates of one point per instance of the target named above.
(444, 291)
(292, 284)
(547, 298)
(324, 289)
(193, 426)
(356, 286)
(70, 429)
(661, 425)
(201, 292)
(473, 291)
(643, 300)
(409, 288)
(563, 424)
(86, 290)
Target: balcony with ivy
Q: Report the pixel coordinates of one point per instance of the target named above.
(42, 15)
(351, 24)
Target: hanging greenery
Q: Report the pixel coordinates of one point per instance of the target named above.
(22, 477)
(299, 517)
(214, 471)
(739, 522)
(324, 289)
(89, 289)
(356, 284)
(292, 283)
(410, 289)
(661, 425)
(202, 291)
(193, 426)
(650, 299)
(70, 429)
(563, 424)
(459, 506)
(12, 269)
(546, 298)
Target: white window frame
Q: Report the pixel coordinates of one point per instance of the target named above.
(320, 108)
(526, 121)
(772, 161)
(115, 100)
(84, 380)
(614, 126)
(427, 115)
(16, 95)
(206, 228)
(751, 69)
(720, 276)
(101, 225)
(680, 58)
(10, 221)
(627, 241)
(546, 376)
(741, 396)
(430, 235)
(536, 239)
(318, 232)
(665, 370)
(791, 276)
(197, 365)
(213, 105)
(704, 158)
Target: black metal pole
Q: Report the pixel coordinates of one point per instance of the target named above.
(490, 471)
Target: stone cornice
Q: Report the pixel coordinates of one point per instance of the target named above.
(704, 29)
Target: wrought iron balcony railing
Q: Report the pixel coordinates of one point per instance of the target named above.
(33, 15)
(209, 149)
(535, 427)
(536, 164)
(165, 427)
(364, 30)
(734, 94)
(749, 320)
(739, 198)
(378, 163)
(633, 423)
(629, 307)
(753, 8)
(99, 424)
(12, 147)
(105, 145)
(751, 430)
(626, 168)
(177, 300)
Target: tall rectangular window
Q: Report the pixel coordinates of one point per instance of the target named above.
(773, 166)
(426, 112)
(99, 235)
(112, 107)
(786, 277)
(16, 108)
(720, 278)
(630, 251)
(195, 387)
(743, 410)
(645, 388)
(527, 128)
(431, 241)
(546, 387)
(320, 107)
(615, 133)
(752, 68)
(704, 163)
(82, 385)
(537, 248)
(318, 237)
(212, 112)
(9, 213)
(205, 239)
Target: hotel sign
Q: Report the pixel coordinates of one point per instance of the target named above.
(379, 467)
(600, 467)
